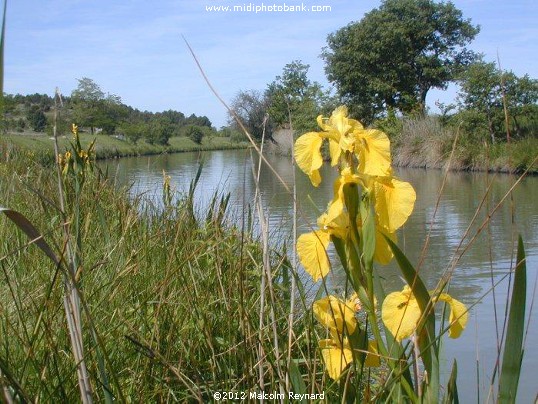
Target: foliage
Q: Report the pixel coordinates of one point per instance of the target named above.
(37, 119)
(132, 131)
(484, 90)
(91, 108)
(195, 133)
(292, 96)
(252, 107)
(97, 112)
(396, 54)
(390, 124)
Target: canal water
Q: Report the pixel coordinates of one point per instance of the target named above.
(454, 222)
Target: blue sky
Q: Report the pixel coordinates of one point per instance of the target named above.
(134, 48)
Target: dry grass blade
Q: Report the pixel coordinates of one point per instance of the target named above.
(33, 234)
(237, 119)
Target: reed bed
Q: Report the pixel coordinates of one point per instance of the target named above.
(172, 297)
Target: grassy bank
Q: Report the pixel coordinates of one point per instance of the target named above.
(175, 307)
(42, 146)
(425, 143)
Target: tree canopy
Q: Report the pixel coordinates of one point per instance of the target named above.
(294, 96)
(251, 108)
(398, 52)
(484, 93)
(91, 108)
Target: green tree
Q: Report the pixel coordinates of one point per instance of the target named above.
(158, 131)
(93, 109)
(87, 101)
(195, 133)
(36, 118)
(293, 96)
(482, 88)
(396, 54)
(252, 109)
(522, 97)
(133, 131)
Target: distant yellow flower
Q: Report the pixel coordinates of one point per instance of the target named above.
(312, 247)
(66, 162)
(401, 313)
(83, 154)
(74, 129)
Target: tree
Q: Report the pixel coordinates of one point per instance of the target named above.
(482, 88)
(133, 131)
(87, 101)
(252, 109)
(396, 54)
(293, 96)
(93, 109)
(36, 118)
(195, 133)
(158, 131)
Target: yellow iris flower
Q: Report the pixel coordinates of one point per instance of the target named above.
(371, 146)
(401, 313)
(312, 247)
(339, 318)
(393, 200)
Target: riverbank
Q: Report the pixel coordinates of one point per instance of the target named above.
(42, 146)
(425, 143)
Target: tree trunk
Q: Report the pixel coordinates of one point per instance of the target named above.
(422, 102)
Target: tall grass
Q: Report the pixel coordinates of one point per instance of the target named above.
(174, 300)
(426, 143)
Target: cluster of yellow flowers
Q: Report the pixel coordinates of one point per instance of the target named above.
(363, 157)
(364, 160)
(68, 161)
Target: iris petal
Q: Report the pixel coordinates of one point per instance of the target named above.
(400, 314)
(336, 315)
(394, 202)
(312, 252)
(308, 155)
(373, 151)
(336, 359)
(458, 315)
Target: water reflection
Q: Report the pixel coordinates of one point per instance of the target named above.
(487, 261)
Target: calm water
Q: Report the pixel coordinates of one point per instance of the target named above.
(487, 261)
